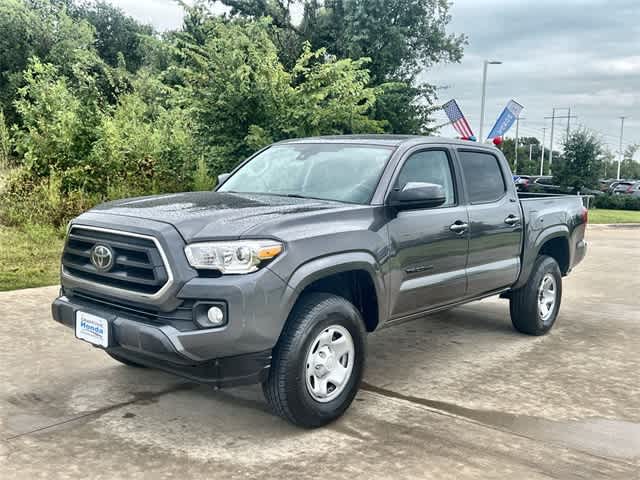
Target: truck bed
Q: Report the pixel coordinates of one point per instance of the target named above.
(547, 215)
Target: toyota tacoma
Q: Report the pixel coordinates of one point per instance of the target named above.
(278, 275)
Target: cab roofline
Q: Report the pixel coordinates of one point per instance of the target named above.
(385, 140)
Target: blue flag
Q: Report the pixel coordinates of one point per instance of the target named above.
(506, 119)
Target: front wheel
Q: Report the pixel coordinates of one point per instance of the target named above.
(534, 307)
(318, 362)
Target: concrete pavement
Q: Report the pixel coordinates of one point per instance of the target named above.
(455, 395)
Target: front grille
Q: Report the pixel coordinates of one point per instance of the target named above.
(181, 318)
(137, 267)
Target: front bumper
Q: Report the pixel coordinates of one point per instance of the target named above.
(160, 330)
(159, 346)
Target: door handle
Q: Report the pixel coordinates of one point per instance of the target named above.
(512, 220)
(459, 227)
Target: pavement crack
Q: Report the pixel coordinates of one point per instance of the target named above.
(139, 398)
(576, 435)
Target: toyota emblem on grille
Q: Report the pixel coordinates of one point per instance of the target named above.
(102, 257)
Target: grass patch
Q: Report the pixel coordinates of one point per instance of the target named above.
(29, 256)
(599, 215)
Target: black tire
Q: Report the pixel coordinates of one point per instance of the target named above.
(124, 361)
(525, 314)
(286, 388)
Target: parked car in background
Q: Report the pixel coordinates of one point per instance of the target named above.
(604, 185)
(523, 182)
(547, 185)
(633, 189)
(623, 187)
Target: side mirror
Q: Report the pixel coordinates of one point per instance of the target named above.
(222, 177)
(418, 195)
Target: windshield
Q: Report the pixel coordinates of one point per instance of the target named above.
(346, 173)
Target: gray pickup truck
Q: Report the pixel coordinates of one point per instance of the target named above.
(307, 246)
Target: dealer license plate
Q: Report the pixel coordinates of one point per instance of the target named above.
(92, 329)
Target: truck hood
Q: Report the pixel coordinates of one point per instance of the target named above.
(210, 215)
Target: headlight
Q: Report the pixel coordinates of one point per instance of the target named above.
(242, 256)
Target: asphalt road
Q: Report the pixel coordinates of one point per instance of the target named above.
(456, 395)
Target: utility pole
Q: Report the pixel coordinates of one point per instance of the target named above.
(620, 151)
(544, 132)
(530, 151)
(553, 120)
(568, 122)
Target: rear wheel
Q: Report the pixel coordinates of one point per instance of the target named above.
(318, 361)
(534, 307)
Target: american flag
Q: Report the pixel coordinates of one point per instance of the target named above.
(457, 119)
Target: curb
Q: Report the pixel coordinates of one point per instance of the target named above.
(602, 226)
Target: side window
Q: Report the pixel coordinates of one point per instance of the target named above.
(430, 166)
(482, 176)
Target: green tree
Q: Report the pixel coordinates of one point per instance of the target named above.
(580, 164)
(524, 167)
(630, 168)
(143, 148)
(58, 125)
(37, 28)
(242, 97)
(116, 34)
(401, 37)
(97, 108)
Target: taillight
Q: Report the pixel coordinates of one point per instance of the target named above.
(585, 215)
(630, 189)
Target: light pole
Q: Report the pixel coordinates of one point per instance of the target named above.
(515, 164)
(484, 94)
(620, 150)
(544, 132)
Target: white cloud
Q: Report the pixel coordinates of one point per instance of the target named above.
(624, 65)
(162, 14)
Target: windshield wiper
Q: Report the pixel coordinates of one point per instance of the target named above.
(292, 195)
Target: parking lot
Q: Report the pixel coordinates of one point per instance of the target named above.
(456, 395)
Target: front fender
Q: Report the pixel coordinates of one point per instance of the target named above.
(325, 266)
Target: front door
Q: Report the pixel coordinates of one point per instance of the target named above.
(429, 244)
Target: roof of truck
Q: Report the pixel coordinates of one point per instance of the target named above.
(386, 140)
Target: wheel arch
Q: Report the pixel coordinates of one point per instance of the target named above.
(557, 247)
(552, 241)
(353, 275)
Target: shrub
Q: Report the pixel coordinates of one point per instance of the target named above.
(58, 128)
(144, 149)
(5, 144)
(26, 201)
(202, 181)
(617, 202)
(86, 132)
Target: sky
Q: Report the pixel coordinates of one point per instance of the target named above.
(582, 54)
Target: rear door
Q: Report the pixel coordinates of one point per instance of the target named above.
(495, 223)
(429, 244)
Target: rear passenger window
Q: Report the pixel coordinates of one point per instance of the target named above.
(483, 176)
